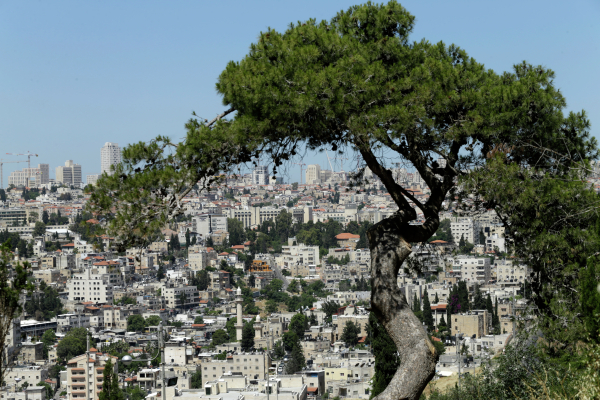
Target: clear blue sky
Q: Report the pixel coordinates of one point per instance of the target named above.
(76, 74)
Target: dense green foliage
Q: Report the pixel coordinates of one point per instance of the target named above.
(386, 355)
(44, 304)
(248, 336)
(219, 337)
(13, 281)
(443, 232)
(350, 334)
(110, 384)
(73, 344)
(427, 315)
(48, 338)
(358, 82)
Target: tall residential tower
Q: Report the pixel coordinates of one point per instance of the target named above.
(110, 154)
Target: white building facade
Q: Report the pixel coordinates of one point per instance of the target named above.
(110, 154)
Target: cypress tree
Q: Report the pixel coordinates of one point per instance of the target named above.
(488, 304)
(442, 325)
(110, 386)
(427, 316)
(436, 300)
(248, 336)
(416, 304)
(386, 355)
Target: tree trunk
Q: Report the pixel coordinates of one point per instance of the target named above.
(389, 244)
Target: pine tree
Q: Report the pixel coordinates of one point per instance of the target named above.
(590, 300)
(427, 315)
(386, 355)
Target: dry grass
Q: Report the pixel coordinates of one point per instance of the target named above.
(444, 383)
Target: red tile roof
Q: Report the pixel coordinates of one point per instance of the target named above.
(346, 236)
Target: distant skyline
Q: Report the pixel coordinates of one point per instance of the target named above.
(78, 74)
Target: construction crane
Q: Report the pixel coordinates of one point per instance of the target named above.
(28, 154)
(2, 162)
(341, 158)
(301, 165)
(331, 166)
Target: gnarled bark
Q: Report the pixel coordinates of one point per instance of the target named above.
(388, 241)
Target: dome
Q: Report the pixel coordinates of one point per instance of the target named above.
(258, 318)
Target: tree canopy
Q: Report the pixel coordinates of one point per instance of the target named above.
(358, 83)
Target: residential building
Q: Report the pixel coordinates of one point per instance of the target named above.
(206, 224)
(92, 286)
(249, 364)
(299, 254)
(472, 323)
(260, 175)
(85, 375)
(472, 269)
(175, 294)
(313, 174)
(110, 154)
(462, 227)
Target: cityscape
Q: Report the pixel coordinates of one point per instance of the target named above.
(365, 217)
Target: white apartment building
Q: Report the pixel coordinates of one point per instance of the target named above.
(472, 269)
(249, 364)
(462, 227)
(173, 296)
(197, 261)
(506, 271)
(69, 174)
(89, 286)
(204, 224)
(299, 255)
(313, 174)
(494, 241)
(260, 175)
(110, 154)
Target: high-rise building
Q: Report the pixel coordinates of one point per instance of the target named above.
(313, 174)
(36, 176)
(260, 175)
(110, 154)
(70, 174)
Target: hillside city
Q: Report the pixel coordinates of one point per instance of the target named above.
(260, 288)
